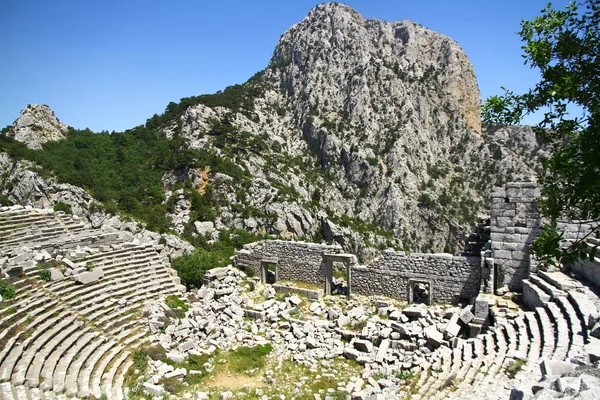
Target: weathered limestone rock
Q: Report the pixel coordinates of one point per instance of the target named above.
(36, 125)
(154, 390)
(89, 276)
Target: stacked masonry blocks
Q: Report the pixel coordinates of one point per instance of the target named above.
(515, 222)
(297, 261)
(451, 278)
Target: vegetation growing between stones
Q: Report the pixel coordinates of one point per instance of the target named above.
(60, 206)
(191, 267)
(7, 290)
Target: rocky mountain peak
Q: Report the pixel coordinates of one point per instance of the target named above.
(367, 70)
(37, 124)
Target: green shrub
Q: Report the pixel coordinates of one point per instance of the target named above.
(5, 202)
(44, 274)
(7, 290)
(175, 302)
(60, 206)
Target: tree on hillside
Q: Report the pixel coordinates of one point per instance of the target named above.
(565, 46)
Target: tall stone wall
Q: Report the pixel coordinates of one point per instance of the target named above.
(450, 278)
(515, 222)
(297, 261)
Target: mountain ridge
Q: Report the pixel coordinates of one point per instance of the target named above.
(362, 132)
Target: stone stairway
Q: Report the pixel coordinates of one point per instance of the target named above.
(62, 339)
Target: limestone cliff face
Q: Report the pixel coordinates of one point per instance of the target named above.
(389, 113)
(37, 124)
(365, 71)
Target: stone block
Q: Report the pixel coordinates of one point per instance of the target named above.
(433, 336)
(363, 345)
(502, 254)
(481, 308)
(452, 329)
(415, 311)
(466, 315)
(351, 353)
(381, 352)
(89, 276)
(154, 390)
(56, 274)
(474, 330)
(556, 367)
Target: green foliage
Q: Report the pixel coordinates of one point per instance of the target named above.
(124, 170)
(564, 45)
(7, 290)
(140, 360)
(247, 358)
(4, 201)
(171, 385)
(513, 369)
(175, 302)
(44, 274)
(60, 206)
(191, 267)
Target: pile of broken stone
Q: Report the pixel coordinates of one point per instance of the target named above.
(26, 260)
(385, 339)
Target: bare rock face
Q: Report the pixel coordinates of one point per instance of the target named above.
(389, 114)
(37, 124)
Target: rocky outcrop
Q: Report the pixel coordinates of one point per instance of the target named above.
(375, 122)
(36, 125)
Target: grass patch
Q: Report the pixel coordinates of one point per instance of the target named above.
(513, 369)
(248, 358)
(175, 302)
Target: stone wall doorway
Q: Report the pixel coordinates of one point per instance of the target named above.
(420, 291)
(340, 264)
(268, 270)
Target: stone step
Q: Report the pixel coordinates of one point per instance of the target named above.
(52, 361)
(116, 392)
(560, 281)
(548, 288)
(533, 295)
(535, 347)
(6, 392)
(64, 364)
(74, 368)
(33, 375)
(577, 332)
(101, 368)
(33, 344)
(20, 392)
(523, 336)
(110, 377)
(11, 355)
(85, 374)
(548, 330)
(562, 331)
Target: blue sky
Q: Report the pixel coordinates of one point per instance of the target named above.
(110, 65)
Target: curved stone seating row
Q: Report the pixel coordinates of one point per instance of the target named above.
(68, 339)
(33, 226)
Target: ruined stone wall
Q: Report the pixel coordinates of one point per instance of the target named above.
(450, 278)
(297, 261)
(515, 222)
